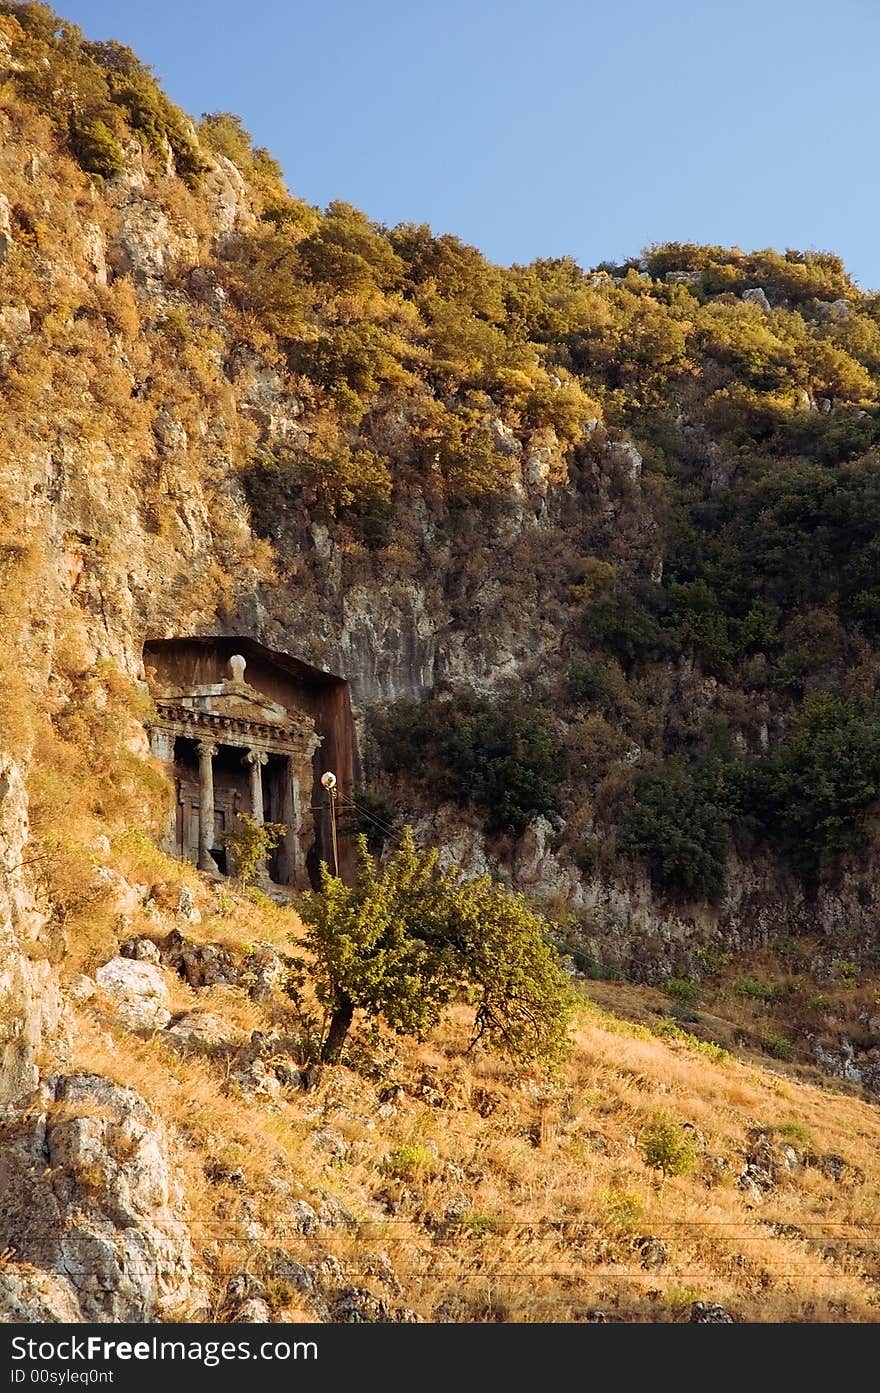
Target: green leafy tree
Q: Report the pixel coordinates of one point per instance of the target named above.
(679, 824)
(810, 797)
(404, 941)
(250, 845)
(501, 756)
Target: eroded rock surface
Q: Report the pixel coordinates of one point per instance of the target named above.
(90, 1200)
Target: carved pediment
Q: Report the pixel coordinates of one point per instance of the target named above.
(234, 700)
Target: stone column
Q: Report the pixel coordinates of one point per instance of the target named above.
(207, 752)
(162, 747)
(294, 865)
(256, 759)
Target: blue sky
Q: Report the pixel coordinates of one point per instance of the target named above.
(544, 129)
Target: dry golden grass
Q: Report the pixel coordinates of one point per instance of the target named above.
(497, 1193)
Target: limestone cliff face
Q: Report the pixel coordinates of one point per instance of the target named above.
(30, 1000)
(131, 413)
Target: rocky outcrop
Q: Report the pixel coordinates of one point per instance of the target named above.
(90, 1202)
(138, 991)
(30, 1000)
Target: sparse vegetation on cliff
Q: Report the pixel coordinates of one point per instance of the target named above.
(597, 549)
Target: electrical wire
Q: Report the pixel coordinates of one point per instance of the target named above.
(364, 812)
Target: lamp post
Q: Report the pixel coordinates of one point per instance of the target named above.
(328, 781)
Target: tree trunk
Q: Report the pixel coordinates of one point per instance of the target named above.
(340, 1024)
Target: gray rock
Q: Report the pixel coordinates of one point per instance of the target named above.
(832, 1166)
(652, 1251)
(264, 969)
(302, 1279)
(504, 438)
(246, 1301)
(28, 1296)
(709, 1313)
(186, 906)
(625, 453)
(357, 1306)
(683, 277)
(333, 1215)
(302, 1217)
(138, 992)
(255, 1077)
(757, 296)
(15, 320)
(88, 1196)
(834, 309)
(457, 1206)
(203, 287)
(331, 1142)
(198, 1029)
(253, 1312)
(789, 1157)
(31, 1008)
(750, 1188)
(201, 964)
(142, 950)
(81, 988)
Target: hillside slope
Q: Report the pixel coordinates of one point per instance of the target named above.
(596, 552)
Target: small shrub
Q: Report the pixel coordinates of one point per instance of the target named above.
(667, 1147)
(684, 1014)
(777, 1045)
(250, 844)
(681, 1298)
(846, 972)
(587, 856)
(681, 989)
(712, 961)
(96, 148)
(622, 1213)
(820, 1001)
(588, 683)
(411, 1160)
(755, 988)
(796, 1133)
(483, 1225)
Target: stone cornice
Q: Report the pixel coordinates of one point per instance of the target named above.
(296, 738)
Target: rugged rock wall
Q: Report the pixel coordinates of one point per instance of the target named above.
(131, 412)
(134, 402)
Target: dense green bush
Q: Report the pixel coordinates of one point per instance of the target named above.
(632, 622)
(667, 1146)
(809, 797)
(96, 147)
(97, 95)
(501, 756)
(589, 683)
(679, 824)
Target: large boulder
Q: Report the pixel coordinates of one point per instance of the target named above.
(28, 1296)
(757, 296)
(138, 991)
(90, 1202)
(31, 1008)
